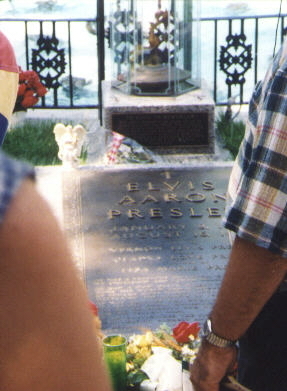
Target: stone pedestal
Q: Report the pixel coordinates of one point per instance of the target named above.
(162, 123)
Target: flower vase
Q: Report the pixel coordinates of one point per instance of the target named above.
(115, 358)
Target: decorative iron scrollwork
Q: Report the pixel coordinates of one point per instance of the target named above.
(235, 59)
(49, 61)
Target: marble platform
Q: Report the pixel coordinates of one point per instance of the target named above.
(162, 123)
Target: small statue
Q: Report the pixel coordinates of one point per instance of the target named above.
(70, 141)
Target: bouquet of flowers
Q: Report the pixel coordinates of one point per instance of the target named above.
(146, 354)
(30, 89)
(122, 149)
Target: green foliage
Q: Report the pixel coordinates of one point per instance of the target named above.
(137, 360)
(33, 141)
(230, 133)
(135, 378)
(162, 330)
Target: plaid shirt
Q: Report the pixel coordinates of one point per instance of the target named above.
(257, 192)
(12, 173)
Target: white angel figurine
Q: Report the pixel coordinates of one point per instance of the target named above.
(70, 141)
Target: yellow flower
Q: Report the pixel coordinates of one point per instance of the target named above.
(132, 348)
(149, 337)
(145, 352)
(144, 340)
(129, 366)
(140, 340)
(191, 338)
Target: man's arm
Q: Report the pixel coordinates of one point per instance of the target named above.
(47, 337)
(252, 276)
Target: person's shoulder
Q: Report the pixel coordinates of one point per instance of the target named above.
(12, 173)
(7, 55)
(282, 56)
(14, 168)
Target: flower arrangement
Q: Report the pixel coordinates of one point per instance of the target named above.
(30, 89)
(181, 343)
(160, 360)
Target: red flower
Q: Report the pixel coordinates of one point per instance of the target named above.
(184, 329)
(93, 308)
(29, 99)
(41, 90)
(29, 90)
(23, 75)
(21, 89)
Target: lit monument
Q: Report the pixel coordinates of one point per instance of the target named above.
(155, 46)
(154, 94)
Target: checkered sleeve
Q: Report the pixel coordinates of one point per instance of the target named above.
(12, 174)
(257, 192)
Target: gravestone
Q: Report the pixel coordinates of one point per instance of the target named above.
(149, 241)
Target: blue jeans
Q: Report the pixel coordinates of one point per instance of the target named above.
(263, 349)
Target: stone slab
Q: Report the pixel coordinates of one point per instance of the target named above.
(149, 242)
(168, 123)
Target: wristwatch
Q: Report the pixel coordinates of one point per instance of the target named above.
(214, 339)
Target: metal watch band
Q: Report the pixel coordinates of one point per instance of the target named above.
(218, 341)
(214, 339)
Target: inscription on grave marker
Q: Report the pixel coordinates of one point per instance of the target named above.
(164, 129)
(152, 244)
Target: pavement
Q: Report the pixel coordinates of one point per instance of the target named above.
(49, 184)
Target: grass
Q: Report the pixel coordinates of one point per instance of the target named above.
(34, 141)
(230, 133)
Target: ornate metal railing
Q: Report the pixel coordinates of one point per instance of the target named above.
(240, 50)
(69, 56)
(65, 55)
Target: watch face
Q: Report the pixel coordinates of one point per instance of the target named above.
(213, 338)
(206, 329)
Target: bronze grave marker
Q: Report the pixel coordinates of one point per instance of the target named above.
(165, 129)
(150, 242)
